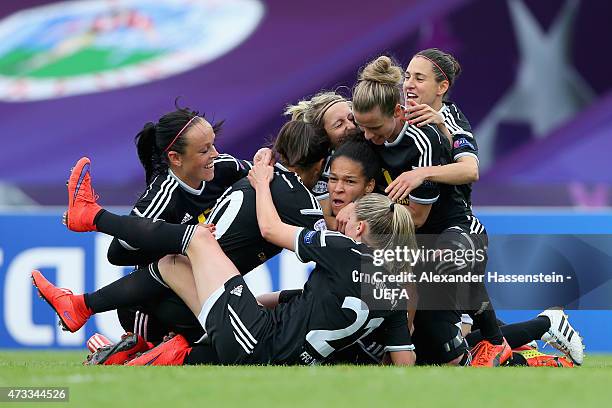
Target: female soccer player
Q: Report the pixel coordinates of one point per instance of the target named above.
(330, 113)
(428, 79)
(352, 170)
(185, 176)
(436, 209)
(300, 147)
(335, 309)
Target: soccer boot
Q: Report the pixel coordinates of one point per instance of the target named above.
(168, 353)
(70, 308)
(536, 359)
(486, 354)
(117, 354)
(82, 205)
(97, 341)
(562, 335)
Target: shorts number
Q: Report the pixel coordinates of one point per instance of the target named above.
(319, 339)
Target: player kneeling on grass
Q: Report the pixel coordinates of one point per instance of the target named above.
(332, 312)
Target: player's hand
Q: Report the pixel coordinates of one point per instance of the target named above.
(260, 174)
(343, 217)
(264, 156)
(421, 114)
(211, 227)
(404, 184)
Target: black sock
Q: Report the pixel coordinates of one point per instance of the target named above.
(517, 334)
(489, 329)
(144, 233)
(201, 354)
(131, 290)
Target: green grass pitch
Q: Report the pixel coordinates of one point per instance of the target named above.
(340, 386)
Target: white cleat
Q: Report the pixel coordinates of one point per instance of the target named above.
(562, 335)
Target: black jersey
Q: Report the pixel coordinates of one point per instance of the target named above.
(338, 305)
(320, 188)
(464, 143)
(422, 147)
(168, 198)
(235, 217)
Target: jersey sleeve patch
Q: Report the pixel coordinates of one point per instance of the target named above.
(463, 142)
(308, 237)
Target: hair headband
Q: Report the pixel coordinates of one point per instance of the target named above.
(437, 66)
(179, 133)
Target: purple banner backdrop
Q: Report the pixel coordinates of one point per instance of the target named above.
(536, 87)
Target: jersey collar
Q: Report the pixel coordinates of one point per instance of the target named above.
(185, 186)
(283, 168)
(399, 137)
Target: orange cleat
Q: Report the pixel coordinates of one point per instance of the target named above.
(536, 359)
(70, 308)
(532, 345)
(118, 354)
(485, 354)
(97, 341)
(82, 205)
(168, 353)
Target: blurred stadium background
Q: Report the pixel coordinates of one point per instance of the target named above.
(82, 77)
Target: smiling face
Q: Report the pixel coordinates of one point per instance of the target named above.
(196, 163)
(420, 83)
(346, 183)
(337, 122)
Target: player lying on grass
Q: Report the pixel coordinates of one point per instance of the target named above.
(353, 167)
(335, 309)
(348, 166)
(348, 163)
(299, 147)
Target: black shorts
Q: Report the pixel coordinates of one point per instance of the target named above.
(237, 325)
(154, 320)
(437, 337)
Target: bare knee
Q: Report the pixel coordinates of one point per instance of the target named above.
(171, 263)
(201, 237)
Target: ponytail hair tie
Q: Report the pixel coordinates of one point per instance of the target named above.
(391, 207)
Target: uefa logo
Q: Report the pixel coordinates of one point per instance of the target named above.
(80, 47)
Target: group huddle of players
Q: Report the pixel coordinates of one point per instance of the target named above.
(390, 168)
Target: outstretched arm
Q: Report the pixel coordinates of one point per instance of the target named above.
(272, 228)
(464, 171)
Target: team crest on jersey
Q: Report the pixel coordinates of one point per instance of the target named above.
(320, 225)
(462, 142)
(320, 187)
(79, 47)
